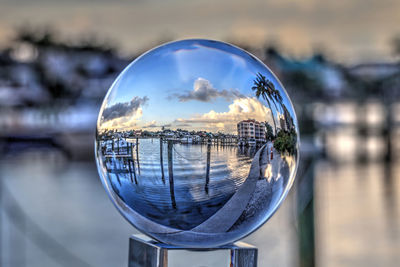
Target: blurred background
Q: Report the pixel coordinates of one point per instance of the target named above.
(339, 61)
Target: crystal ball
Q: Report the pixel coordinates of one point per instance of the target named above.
(197, 143)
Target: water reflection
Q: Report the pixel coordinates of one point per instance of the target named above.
(197, 143)
(165, 202)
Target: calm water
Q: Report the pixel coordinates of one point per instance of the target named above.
(208, 192)
(188, 197)
(357, 216)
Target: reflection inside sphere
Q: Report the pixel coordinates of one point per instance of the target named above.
(197, 143)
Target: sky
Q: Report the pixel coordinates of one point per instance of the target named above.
(191, 85)
(350, 31)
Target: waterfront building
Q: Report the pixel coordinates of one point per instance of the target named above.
(282, 122)
(288, 118)
(251, 131)
(285, 120)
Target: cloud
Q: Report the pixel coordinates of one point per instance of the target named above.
(153, 124)
(123, 123)
(123, 116)
(183, 125)
(240, 109)
(204, 91)
(123, 109)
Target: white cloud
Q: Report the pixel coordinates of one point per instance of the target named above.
(123, 115)
(240, 109)
(123, 123)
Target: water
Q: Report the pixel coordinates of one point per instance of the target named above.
(66, 214)
(357, 216)
(192, 198)
(195, 92)
(186, 191)
(67, 201)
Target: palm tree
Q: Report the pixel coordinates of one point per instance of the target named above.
(273, 94)
(278, 98)
(266, 89)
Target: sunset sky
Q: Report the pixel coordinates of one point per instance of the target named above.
(351, 31)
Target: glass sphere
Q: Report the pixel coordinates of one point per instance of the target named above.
(197, 143)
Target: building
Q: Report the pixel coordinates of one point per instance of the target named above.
(285, 120)
(282, 122)
(251, 131)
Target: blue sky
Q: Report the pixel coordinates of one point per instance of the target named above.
(199, 83)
